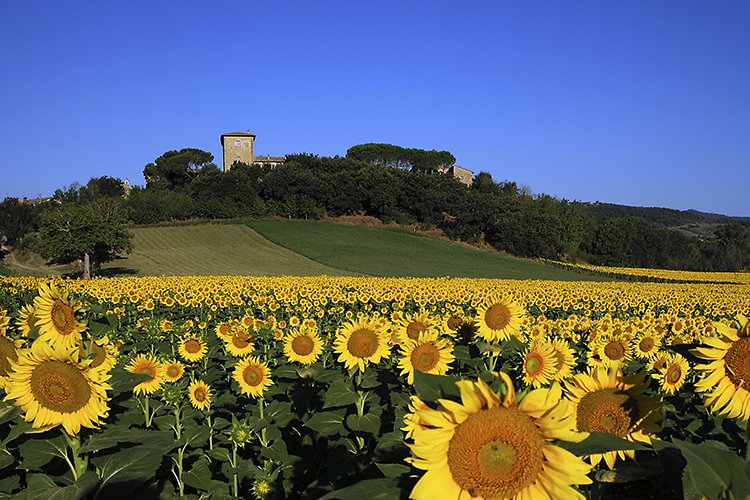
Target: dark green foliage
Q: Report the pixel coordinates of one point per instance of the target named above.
(176, 169)
(17, 219)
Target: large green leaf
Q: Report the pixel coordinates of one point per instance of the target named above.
(129, 467)
(41, 486)
(373, 489)
(598, 442)
(6, 458)
(712, 470)
(38, 452)
(199, 477)
(366, 423)
(327, 423)
(113, 436)
(433, 387)
(9, 413)
(340, 393)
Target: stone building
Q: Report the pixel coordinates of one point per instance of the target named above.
(238, 146)
(462, 174)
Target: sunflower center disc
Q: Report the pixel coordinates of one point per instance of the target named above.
(674, 373)
(192, 346)
(199, 395)
(496, 453)
(62, 317)
(240, 340)
(606, 411)
(302, 345)
(252, 375)
(614, 350)
(737, 359)
(173, 371)
(454, 322)
(646, 344)
(425, 357)
(414, 328)
(497, 316)
(7, 354)
(363, 343)
(59, 387)
(534, 365)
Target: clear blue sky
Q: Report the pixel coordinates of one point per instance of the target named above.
(642, 103)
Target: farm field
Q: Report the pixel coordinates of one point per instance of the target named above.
(337, 387)
(389, 252)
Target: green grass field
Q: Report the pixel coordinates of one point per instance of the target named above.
(389, 252)
(212, 249)
(303, 248)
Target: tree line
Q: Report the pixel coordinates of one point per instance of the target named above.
(388, 182)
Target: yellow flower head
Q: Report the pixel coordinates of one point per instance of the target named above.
(253, 376)
(199, 394)
(429, 354)
(192, 348)
(147, 365)
(498, 318)
(493, 446)
(303, 345)
(56, 318)
(53, 388)
(361, 342)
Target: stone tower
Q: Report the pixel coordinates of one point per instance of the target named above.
(237, 146)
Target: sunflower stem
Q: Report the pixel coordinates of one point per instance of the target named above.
(80, 464)
(235, 483)
(210, 432)
(262, 405)
(177, 422)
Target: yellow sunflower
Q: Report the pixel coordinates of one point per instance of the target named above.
(192, 348)
(56, 318)
(200, 395)
(253, 376)
(490, 446)
(26, 319)
(429, 354)
(147, 365)
(565, 359)
(103, 354)
(53, 388)
(239, 344)
(9, 349)
(607, 402)
(412, 422)
(499, 318)
(673, 373)
(645, 345)
(609, 351)
(173, 370)
(539, 364)
(4, 320)
(303, 345)
(726, 376)
(361, 342)
(412, 326)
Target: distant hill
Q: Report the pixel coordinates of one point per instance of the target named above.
(667, 217)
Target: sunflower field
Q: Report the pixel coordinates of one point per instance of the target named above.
(339, 388)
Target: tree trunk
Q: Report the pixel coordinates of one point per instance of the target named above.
(86, 266)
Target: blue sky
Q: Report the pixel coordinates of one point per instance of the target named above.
(642, 103)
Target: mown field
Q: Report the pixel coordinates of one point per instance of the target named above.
(303, 248)
(344, 387)
(392, 252)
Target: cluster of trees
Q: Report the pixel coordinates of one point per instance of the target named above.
(379, 180)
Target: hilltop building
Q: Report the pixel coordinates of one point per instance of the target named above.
(462, 174)
(240, 147)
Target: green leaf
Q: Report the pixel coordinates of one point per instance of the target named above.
(327, 423)
(122, 381)
(38, 452)
(99, 327)
(279, 412)
(712, 470)
(393, 470)
(9, 413)
(366, 423)
(372, 489)
(433, 387)
(6, 458)
(41, 486)
(370, 380)
(286, 372)
(113, 436)
(132, 466)
(195, 435)
(598, 442)
(199, 477)
(340, 393)
(220, 453)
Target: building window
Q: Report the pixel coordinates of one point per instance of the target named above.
(237, 143)
(238, 158)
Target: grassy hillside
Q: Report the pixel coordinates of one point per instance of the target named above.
(212, 249)
(385, 252)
